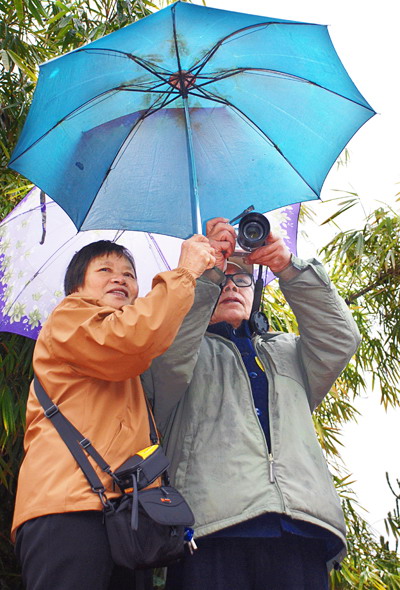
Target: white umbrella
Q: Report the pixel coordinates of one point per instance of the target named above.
(38, 239)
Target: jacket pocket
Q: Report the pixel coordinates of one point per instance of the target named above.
(283, 355)
(119, 447)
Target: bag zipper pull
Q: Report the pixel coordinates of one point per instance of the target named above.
(271, 468)
(189, 539)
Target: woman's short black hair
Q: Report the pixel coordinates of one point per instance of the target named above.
(75, 274)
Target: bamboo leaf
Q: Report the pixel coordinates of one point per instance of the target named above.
(5, 60)
(19, 8)
(22, 66)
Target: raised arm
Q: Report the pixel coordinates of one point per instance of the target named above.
(114, 344)
(169, 375)
(166, 381)
(329, 336)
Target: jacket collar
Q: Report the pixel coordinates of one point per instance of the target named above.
(227, 331)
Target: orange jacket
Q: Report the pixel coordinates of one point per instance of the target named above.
(88, 359)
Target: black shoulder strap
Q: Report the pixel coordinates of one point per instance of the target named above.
(74, 440)
(155, 439)
(77, 443)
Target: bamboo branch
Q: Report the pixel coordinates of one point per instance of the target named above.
(382, 278)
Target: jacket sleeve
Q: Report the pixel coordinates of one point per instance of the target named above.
(169, 376)
(329, 336)
(114, 345)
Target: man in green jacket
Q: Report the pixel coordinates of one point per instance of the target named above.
(235, 408)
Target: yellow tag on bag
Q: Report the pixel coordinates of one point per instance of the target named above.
(145, 466)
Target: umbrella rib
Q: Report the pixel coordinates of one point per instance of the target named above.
(153, 90)
(279, 74)
(160, 73)
(38, 272)
(262, 133)
(248, 30)
(181, 84)
(153, 240)
(145, 114)
(81, 109)
(139, 61)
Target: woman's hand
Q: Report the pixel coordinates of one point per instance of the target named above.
(222, 237)
(275, 254)
(197, 255)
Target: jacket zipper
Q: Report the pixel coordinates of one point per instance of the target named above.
(271, 459)
(271, 462)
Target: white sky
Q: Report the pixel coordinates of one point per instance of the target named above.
(366, 40)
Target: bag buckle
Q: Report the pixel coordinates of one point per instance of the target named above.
(85, 443)
(101, 492)
(51, 411)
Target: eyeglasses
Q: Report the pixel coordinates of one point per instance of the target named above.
(240, 279)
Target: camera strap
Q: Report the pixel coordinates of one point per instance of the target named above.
(259, 285)
(258, 322)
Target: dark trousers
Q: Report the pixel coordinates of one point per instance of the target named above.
(281, 563)
(71, 552)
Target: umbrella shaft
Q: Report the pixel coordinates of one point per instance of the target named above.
(193, 173)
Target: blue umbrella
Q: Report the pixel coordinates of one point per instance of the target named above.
(189, 114)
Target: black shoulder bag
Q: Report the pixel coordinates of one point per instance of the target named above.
(145, 527)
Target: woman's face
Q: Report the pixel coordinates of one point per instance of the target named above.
(111, 280)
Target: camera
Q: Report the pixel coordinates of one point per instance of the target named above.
(253, 231)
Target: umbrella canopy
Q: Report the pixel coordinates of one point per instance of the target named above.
(37, 241)
(186, 115)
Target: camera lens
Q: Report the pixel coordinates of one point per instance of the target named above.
(253, 231)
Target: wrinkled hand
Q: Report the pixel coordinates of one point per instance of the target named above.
(275, 254)
(197, 255)
(222, 238)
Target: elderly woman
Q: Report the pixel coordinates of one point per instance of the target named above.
(88, 357)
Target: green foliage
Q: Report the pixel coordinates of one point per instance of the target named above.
(392, 522)
(365, 266)
(15, 372)
(15, 376)
(370, 564)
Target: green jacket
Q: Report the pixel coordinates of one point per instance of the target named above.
(204, 407)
